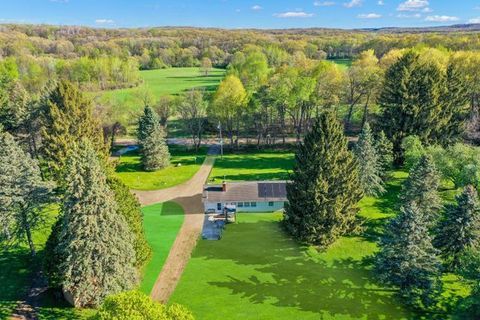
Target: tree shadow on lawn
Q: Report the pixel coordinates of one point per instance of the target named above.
(340, 287)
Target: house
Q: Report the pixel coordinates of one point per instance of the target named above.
(251, 196)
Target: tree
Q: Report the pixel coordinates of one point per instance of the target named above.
(421, 188)
(228, 104)
(324, 187)
(129, 208)
(369, 164)
(384, 148)
(470, 270)
(407, 258)
(95, 245)
(418, 100)
(165, 108)
(138, 306)
(459, 230)
(206, 66)
(67, 119)
(151, 139)
(193, 110)
(23, 194)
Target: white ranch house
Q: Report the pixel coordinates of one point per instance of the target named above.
(251, 196)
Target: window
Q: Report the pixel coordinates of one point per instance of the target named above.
(219, 206)
(240, 204)
(246, 204)
(270, 204)
(253, 204)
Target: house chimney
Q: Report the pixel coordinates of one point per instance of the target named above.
(224, 186)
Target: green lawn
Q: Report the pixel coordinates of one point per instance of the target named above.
(257, 272)
(257, 165)
(130, 171)
(162, 82)
(161, 222)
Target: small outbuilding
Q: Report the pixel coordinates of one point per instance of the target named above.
(250, 196)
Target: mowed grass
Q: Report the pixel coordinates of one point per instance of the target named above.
(256, 165)
(257, 272)
(160, 83)
(162, 222)
(184, 164)
(343, 63)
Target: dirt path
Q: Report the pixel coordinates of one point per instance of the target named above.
(189, 196)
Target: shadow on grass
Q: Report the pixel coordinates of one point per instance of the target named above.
(341, 287)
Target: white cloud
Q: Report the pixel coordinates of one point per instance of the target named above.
(381, 2)
(409, 16)
(104, 21)
(353, 3)
(256, 8)
(437, 18)
(324, 3)
(293, 14)
(414, 5)
(369, 16)
(474, 20)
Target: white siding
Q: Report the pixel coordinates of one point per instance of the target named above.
(260, 206)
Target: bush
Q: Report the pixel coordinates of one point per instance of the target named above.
(134, 305)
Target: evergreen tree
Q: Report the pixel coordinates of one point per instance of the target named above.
(369, 164)
(407, 258)
(384, 149)
(421, 187)
(459, 229)
(325, 187)
(151, 139)
(129, 208)
(95, 245)
(415, 100)
(67, 119)
(23, 194)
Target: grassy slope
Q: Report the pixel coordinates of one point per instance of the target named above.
(162, 222)
(130, 171)
(257, 272)
(264, 165)
(160, 83)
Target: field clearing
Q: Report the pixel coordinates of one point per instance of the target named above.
(184, 164)
(161, 82)
(162, 221)
(257, 272)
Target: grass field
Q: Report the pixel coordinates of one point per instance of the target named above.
(159, 83)
(256, 165)
(130, 170)
(162, 222)
(257, 272)
(343, 63)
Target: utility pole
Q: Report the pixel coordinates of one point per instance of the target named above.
(221, 139)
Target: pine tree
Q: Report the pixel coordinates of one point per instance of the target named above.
(95, 245)
(421, 187)
(384, 149)
(67, 119)
(369, 164)
(407, 258)
(324, 188)
(129, 208)
(459, 229)
(23, 194)
(416, 100)
(151, 139)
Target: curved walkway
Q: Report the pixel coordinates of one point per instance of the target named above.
(189, 196)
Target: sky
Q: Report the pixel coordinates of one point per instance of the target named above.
(242, 14)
